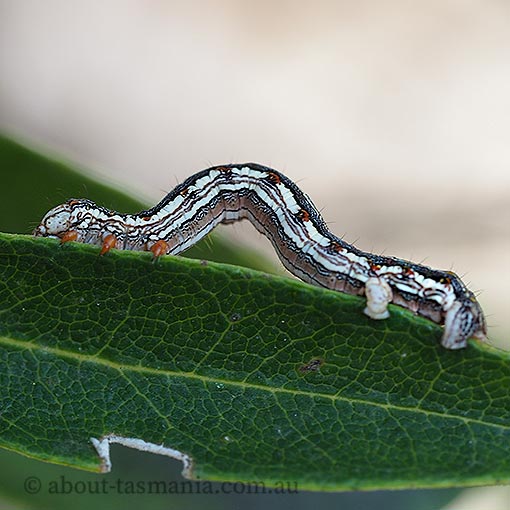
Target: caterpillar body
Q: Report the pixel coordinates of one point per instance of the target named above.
(283, 213)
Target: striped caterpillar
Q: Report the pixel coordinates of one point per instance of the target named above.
(282, 212)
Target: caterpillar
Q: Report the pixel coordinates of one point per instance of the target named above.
(283, 213)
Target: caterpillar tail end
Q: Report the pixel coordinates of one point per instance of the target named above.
(463, 320)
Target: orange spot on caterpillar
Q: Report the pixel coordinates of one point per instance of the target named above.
(336, 247)
(159, 248)
(184, 192)
(303, 215)
(109, 242)
(274, 178)
(446, 282)
(408, 271)
(146, 218)
(70, 235)
(375, 267)
(224, 169)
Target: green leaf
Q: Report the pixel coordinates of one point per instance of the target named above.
(255, 377)
(218, 362)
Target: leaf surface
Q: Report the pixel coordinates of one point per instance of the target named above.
(255, 377)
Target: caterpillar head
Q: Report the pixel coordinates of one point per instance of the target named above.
(61, 219)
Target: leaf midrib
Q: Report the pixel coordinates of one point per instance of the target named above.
(27, 345)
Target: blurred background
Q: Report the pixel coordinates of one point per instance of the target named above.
(393, 116)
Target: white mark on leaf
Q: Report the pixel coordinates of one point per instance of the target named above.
(102, 447)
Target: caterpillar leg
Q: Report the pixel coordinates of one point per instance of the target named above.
(109, 242)
(70, 235)
(378, 294)
(159, 248)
